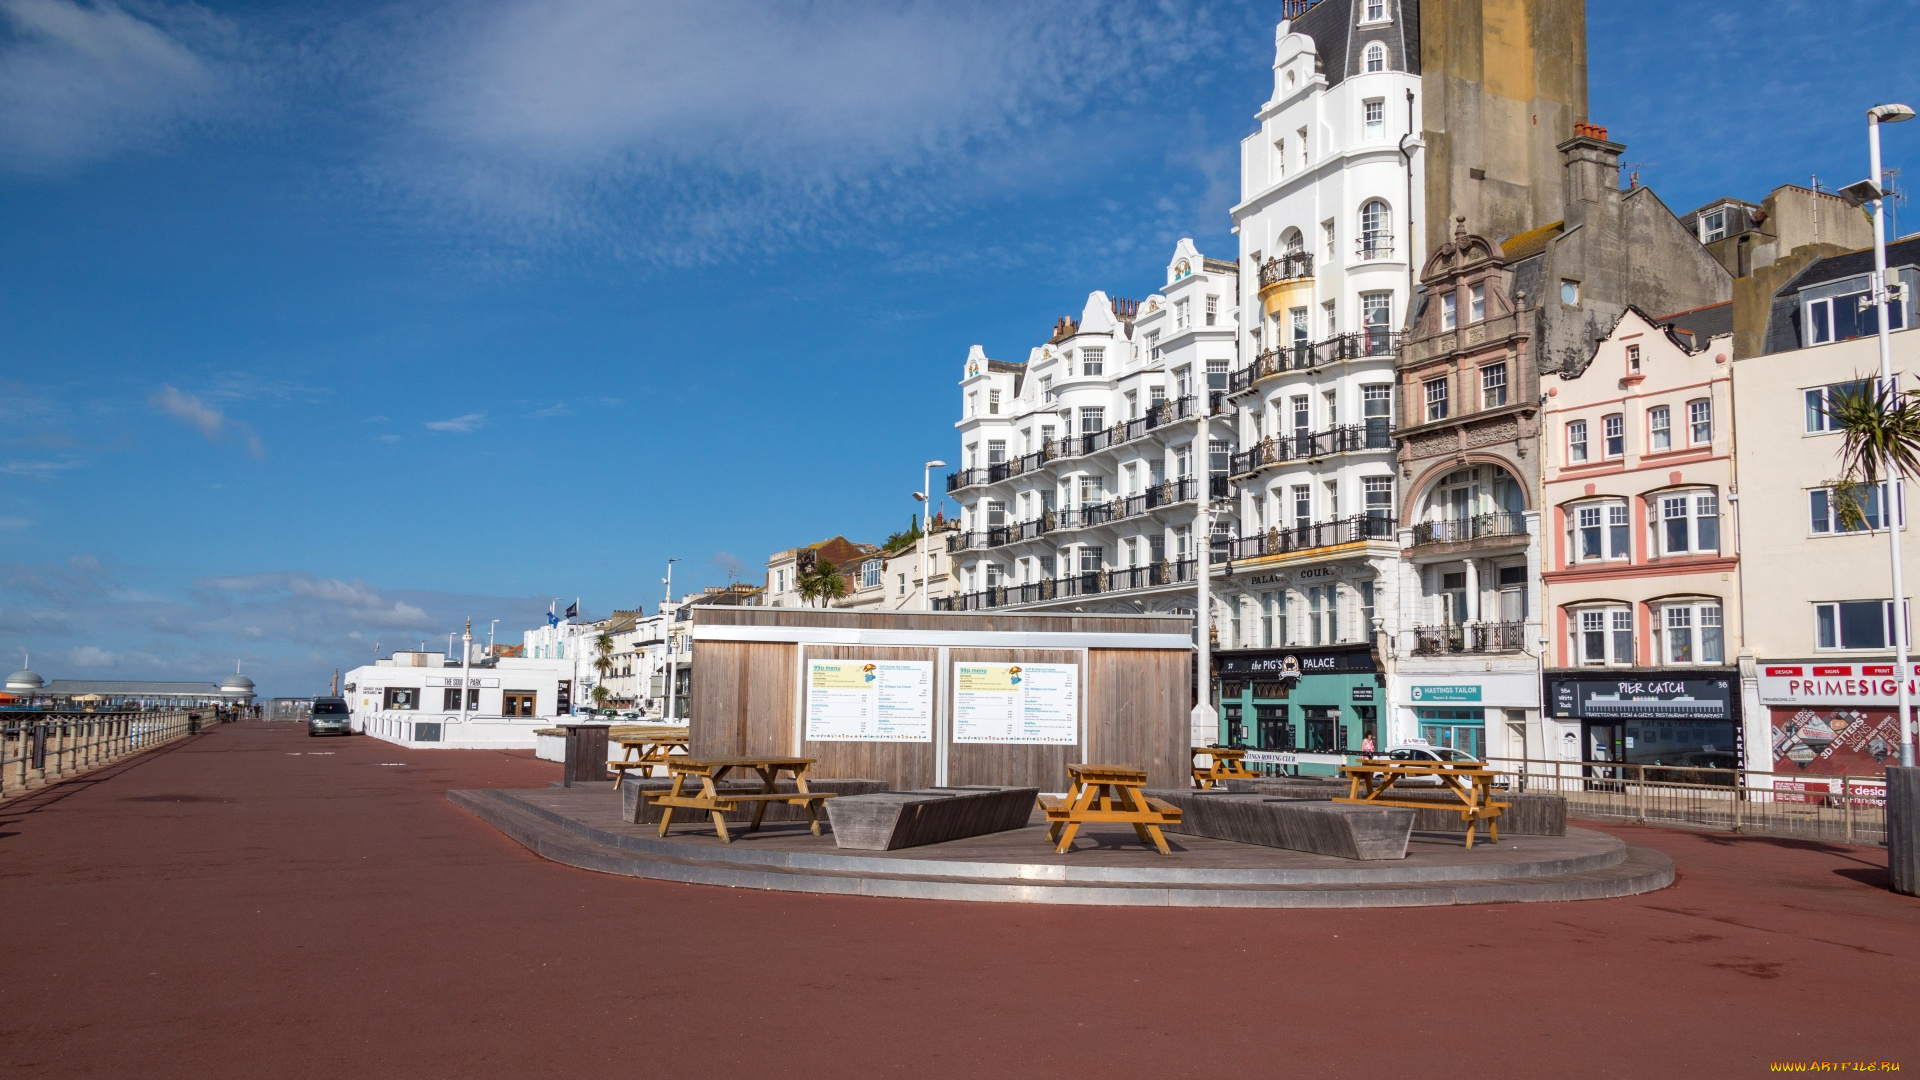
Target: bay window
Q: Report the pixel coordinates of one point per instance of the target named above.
(1600, 531)
(1691, 633)
(1690, 522)
(1603, 635)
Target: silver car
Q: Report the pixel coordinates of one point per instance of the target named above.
(330, 716)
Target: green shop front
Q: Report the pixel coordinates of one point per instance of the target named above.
(1304, 709)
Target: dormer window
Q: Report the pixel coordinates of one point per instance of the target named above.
(1376, 11)
(1449, 311)
(1376, 57)
(1713, 225)
(1477, 303)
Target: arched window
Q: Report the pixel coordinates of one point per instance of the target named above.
(1376, 230)
(1292, 242)
(1376, 57)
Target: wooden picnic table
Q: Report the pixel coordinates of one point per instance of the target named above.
(644, 751)
(1107, 793)
(1372, 783)
(711, 800)
(1229, 763)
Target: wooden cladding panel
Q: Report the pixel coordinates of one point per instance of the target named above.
(1044, 767)
(1139, 702)
(742, 698)
(899, 764)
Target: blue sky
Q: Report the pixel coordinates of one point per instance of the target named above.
(329, 325)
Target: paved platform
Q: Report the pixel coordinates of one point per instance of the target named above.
(254, 903)
(581, 826)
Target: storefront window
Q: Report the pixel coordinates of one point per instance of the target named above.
(1464, 730)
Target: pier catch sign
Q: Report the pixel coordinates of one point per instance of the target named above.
(869, 701)
(1016, 703)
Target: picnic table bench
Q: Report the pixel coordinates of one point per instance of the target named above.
(1107, 793)
(1372, 780)
(717, 803)
(644, 750)
(1228, 763)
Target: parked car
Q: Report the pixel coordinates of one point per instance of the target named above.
(1418, 752)
(330, 716)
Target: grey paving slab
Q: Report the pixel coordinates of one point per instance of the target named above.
(583, 829)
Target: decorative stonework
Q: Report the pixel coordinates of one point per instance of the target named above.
(1434, 445)
(1476, 334)
(1501, 431)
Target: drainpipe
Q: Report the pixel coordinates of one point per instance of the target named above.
(1406, 156)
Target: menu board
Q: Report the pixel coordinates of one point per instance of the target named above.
(1016, 703)
(869, 701)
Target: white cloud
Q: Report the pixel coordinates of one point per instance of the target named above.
(462, 424)
(209, 420)
(91, 656)
(80, 82)
(699, 125)
(14, 524)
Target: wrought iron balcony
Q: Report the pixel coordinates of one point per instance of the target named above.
(1306, 356)
(965, 478)
(1085, 583)
(1463, 638)
(1377, 245)
(1292, 266)
(1301, 445)
(1319, 534)
(1478, 527)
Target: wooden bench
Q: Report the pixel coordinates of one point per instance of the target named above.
(1095, 791)
(716, 803)
(1371, 783)
(1228, 763)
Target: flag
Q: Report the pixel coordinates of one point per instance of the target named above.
(552, 619)
(573, 610)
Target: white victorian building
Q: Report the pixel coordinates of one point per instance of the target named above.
(1329, 184)
(1080, 466)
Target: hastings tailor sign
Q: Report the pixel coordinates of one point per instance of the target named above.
(1833, 684)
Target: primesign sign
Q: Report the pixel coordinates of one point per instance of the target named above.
(1834, 684)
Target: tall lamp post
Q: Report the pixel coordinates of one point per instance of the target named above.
(925, 495)
(1204, 724)
(1879, 295)
(668, 582)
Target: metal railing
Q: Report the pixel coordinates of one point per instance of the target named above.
(1301, 445)
(37, 749)
(1478, 527)
(1292, 266)
(1316, 535)
(1305, 356)
(1084, 583)
(1462, 638)
(1847, 809)
(1374, 245)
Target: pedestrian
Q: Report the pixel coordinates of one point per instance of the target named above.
(1367, 747)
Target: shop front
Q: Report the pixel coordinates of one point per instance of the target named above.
(1687, 719)
(1485, 713)
(1306, 709)
(1833, 719)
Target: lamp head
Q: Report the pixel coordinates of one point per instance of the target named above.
(1890, 113)
(1861, 193)
(936, 464)
(919, 496)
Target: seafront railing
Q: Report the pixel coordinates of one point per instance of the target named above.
(37, 749)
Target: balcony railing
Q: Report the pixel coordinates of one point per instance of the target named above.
(965, 478)
(1478, 527)
(1085, 583)
(1375, 245)
(1305, 356)
(1166, 493)
(1477, 638)
(1272, 450)
(1317, 534)
(1290, 267)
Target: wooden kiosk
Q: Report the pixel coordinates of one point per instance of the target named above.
(944, 699)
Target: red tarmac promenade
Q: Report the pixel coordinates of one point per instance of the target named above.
(255, 903)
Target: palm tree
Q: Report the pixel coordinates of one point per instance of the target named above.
(1879, 427)
(822, 583)
(600, 695)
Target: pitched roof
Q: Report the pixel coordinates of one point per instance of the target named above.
(1714, 320)
(1531, 242)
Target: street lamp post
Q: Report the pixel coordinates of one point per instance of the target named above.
(668, 619)
(925, 495)
(1204, 725)
(1879, 295)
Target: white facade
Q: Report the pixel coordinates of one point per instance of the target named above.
(1079, 468)
(415, 699)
